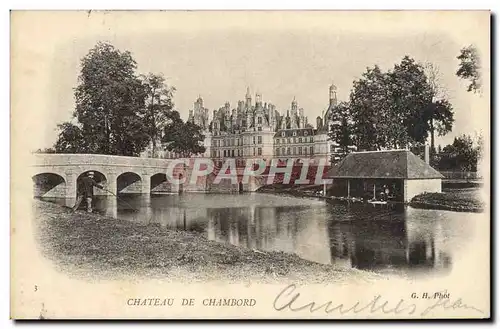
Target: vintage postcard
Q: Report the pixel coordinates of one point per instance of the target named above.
(250, 165)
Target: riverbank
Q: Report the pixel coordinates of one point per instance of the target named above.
(461, 200)
(92, 245)
(464, 200)
(305, 191)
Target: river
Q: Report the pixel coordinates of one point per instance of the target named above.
(381, 238)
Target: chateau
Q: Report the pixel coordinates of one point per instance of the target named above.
(256, 129)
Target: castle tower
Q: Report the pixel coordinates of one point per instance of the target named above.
(294, 115)
(294, 106)
(333, 95)
(319, 122)
(248, 99)
(302, 119)
(258, 99)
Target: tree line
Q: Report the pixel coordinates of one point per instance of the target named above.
(119, 112)
(404, 106)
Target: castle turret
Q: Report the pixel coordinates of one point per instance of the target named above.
(319, 122)
(333, 95)
(248, 99)
(258, 99)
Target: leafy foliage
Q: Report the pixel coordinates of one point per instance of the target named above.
(70, 139)
(394, 109)
(184, 138)
(462, 154)
(110, 106)
(159, 104)
(341, 130)
(469, 68)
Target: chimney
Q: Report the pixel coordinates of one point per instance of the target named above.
(426, 153)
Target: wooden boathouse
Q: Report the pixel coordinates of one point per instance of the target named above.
(395, 175)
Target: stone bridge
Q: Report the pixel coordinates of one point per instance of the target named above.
(57, 175)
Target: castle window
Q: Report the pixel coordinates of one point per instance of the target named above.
(283, 141)
(259, 120)
(283, 134)
(259, 151)
(300, 139)
(254, 143)
(305, 133)
(259, 128)
(294, 150)
(311, 139)
(311, 150)
(305, 150)
(224, 153)
(232, 153)
(294, 133)
(288, 150)
(288, 140)
(259, 139)
(254, 151)
(300, 150)
(278, 151)
(277, 140)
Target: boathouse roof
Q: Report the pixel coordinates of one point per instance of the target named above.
(401, 164)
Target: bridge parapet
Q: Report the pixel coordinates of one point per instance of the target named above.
(97, 160)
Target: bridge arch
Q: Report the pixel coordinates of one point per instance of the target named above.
(129, 182)
(160, 183)
(49, 185)
(99, 177)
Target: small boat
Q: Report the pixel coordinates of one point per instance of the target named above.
(377, 202)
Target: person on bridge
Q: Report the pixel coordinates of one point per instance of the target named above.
(86, 190)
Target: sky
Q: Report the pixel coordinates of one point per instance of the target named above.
(218, 55)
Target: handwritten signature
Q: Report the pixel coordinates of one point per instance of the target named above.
(289, 298)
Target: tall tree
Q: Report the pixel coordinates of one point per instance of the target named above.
(409, 95)
(367, 99)
(469, 68)
(440, 117)
(159, 104)
(439, 111)
(71, 139)
(342, 128)
(461, 155)
(395, 109)
(184, 138)
(110, 104)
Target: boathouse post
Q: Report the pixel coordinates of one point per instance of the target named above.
(348, 188)
(374, 192)
(324, 188)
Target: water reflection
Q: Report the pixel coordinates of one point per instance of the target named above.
(360, 236)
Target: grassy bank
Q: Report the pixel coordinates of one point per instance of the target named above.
(466, 200)
(93, 245)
